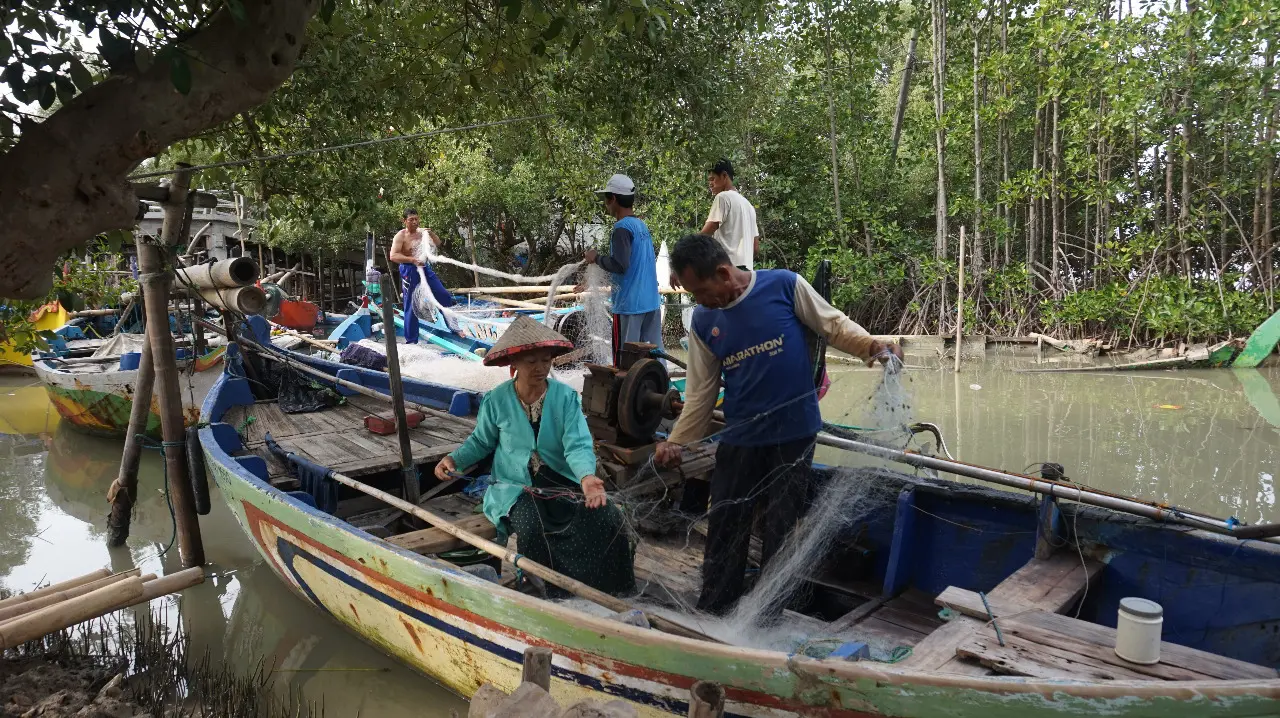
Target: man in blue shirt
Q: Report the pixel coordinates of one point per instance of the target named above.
(751, 327)
(637, 314)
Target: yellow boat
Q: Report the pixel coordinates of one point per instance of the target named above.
(48, 317)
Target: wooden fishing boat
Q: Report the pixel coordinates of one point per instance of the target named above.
(97, 396)
(480, 323)
(912, 546)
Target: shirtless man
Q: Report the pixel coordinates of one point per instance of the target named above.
(404, 251)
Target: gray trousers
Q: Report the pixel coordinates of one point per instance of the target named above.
(645, 327)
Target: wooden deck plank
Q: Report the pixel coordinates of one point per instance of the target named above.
(1051, 585)
(912, 620)
(1096, 641)
(1021, 658)
(434, 540)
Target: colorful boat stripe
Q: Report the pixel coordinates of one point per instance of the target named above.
(663, 691)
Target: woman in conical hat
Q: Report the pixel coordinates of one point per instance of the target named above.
(545, 490)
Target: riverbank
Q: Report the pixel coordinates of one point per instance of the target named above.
(124, 666)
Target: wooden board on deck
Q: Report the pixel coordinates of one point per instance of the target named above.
(1050, 585)
(336, 438)
(671, 572)
(1050, 645)
(434, 540)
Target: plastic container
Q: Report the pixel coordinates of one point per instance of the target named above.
(1138, 627)
(129, 361)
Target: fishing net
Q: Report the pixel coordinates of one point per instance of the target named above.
(843, 501)
(297, 393)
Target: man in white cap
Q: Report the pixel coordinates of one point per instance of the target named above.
(637, 313)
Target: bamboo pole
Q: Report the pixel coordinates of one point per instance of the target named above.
(156, 281)
(556, 578)
(124, 489)
(536, 289)
(960, 303)
(54, 588)
(116, 596)
(408, 472)
(519, 304)
(69, 613)
(1060, 489)
(9, 612)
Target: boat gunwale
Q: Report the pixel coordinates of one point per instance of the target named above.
(849, 672)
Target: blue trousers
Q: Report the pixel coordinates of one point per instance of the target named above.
(645, 327)
(409, 273)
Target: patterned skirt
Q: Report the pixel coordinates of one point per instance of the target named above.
(554, 527)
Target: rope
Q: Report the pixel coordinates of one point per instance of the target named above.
(148, 443)
(333, 148)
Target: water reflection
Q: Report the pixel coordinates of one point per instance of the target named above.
(53, 515)
(1203, 439)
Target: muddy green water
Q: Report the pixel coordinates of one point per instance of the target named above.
(1202, 439)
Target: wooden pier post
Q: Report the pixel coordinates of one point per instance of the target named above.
(706, 700)
(409, 472)
(156, 276)
(124, 489)
(537, 667)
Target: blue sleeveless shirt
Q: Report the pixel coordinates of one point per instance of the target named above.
(636, 291)
(761, 345)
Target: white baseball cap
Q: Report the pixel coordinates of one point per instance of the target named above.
(618, 184)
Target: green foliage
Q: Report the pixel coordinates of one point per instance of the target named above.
(80, 281)
(47, 48)
(658, 89)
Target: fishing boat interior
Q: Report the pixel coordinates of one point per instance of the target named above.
(921, 572)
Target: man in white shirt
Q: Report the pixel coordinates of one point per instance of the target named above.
(732, 220)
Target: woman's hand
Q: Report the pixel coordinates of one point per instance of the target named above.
(446, 466)
(593, 487)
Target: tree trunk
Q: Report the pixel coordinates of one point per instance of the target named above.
(977, 252)
(831, 117)
(940, 141)
(1184, 201)
(65, 180)
(1003, 206)
(1035, 218)
(1054, 200)
(904, 91)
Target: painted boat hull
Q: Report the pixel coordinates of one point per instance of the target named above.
(100, 404)
(465, 632)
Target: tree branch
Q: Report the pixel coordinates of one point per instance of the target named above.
(65, 179)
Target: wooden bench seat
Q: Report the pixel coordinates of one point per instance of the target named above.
(1051, 585)
(433, 540)
(1048, 645)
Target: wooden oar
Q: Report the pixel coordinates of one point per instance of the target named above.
(556, 578)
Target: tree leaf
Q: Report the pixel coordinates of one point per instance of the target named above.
(80, 75)
(236, 8)
(553, 30)
(48, 95)
(115, 50)
(513, 9)
(65, 88)
(6, 48)
(180, 73)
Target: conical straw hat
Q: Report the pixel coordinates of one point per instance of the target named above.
(523, 335)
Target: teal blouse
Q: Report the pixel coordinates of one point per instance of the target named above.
(502, 428)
